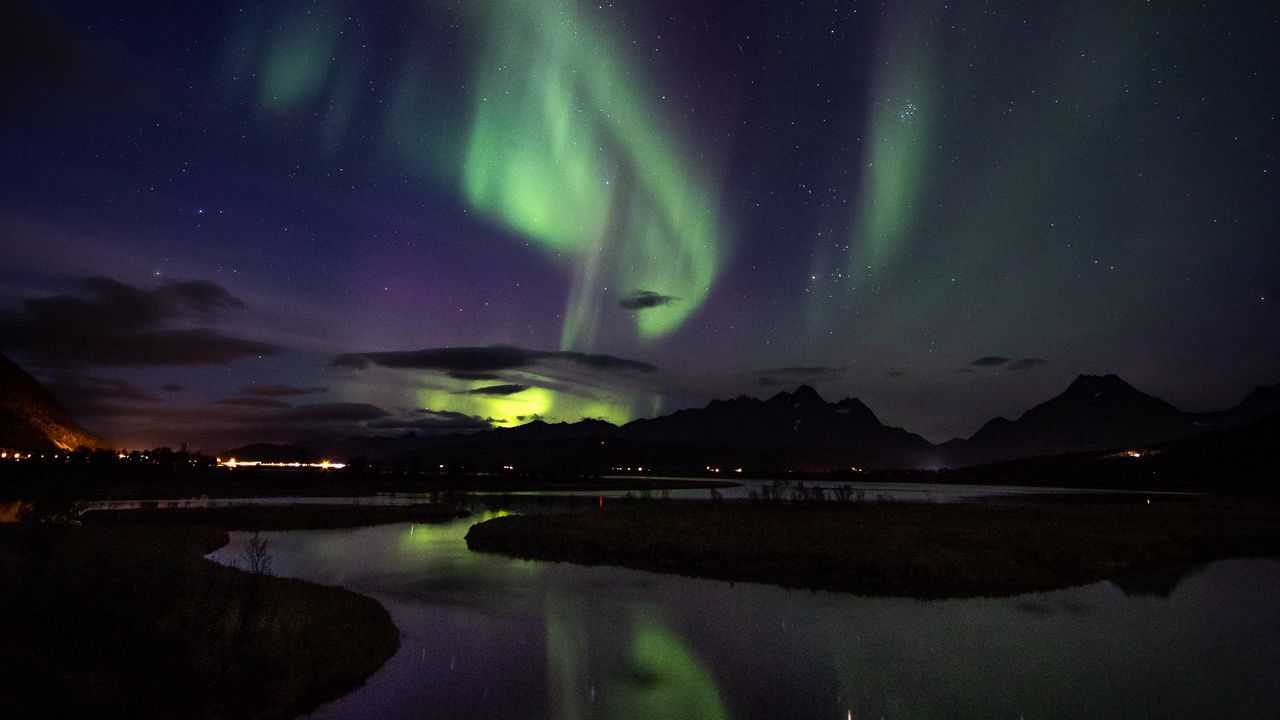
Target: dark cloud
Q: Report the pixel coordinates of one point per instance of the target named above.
(90, 396)
(257, 402)
(334, 412)
(796, 375)
(460, 375)
(111, 323)
(171, 388)
(604, 362)
(470, 360)
(645, 299)
(991, 361)
(435, 421)
(276, 391)
(244, 420)
(1027, 364)
(511, 389)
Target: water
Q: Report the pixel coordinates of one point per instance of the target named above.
(485, 636)
(869, 491)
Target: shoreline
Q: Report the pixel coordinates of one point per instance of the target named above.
(252, 482)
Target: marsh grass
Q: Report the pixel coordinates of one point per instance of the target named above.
(133, 622)
(897, 549)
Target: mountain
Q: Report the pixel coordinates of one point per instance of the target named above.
(1094, 413)
(796, 430)
(798, 420)
(799, 431)
(31, 420)
(270, 452)
(1257, 404)
(1240, 460)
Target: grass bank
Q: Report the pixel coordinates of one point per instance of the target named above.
(300, 516)
(133, 622)
(897, 549)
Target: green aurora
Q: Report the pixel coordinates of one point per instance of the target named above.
(567, 148)
(565, 145)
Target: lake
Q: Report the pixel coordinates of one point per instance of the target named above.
(485, 636)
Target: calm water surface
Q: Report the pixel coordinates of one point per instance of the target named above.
(865, 491)
(490, 637)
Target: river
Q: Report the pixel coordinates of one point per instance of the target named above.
(485, 636)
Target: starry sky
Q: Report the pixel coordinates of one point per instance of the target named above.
(224, 222)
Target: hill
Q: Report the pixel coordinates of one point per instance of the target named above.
(31, 420)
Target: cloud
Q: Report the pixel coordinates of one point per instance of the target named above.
(276, 391)
(645, 299)
(1027, 364)
(435, 421)
(796, 375)
(90, 396)
(257, 402)
(243, 421)
(110, 323)
(334, 412)
(511, 389)
(470, 360)
(171, 388)
(461, 375)
(994, 361)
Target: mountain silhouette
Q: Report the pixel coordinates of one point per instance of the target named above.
(800, 430)
(1096, 412)
(31, 420)
(801, 419)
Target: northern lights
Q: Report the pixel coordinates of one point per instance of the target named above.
(874, 193)
(900, 113)
(564, 150)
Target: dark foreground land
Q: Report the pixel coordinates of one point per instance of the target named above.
(133, 622)
(898, 549)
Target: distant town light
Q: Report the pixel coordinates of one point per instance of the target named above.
(232, 463)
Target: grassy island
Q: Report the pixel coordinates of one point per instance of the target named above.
(132, 622)
(898, 549)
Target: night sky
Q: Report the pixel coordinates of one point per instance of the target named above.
(227, 222)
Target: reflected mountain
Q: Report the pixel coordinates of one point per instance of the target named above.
(1158, 583)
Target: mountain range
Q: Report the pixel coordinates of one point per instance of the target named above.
(796, 430)
(801, 431)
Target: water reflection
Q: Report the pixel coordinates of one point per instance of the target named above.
(642, 669)
(1159, 583)
(489, 637)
